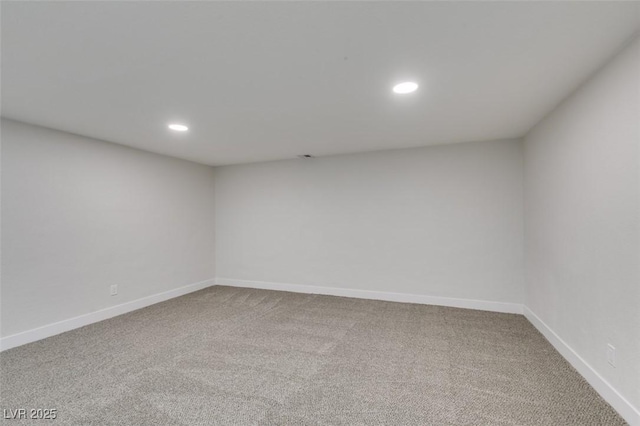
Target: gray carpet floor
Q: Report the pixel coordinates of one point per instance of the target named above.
(242, 357)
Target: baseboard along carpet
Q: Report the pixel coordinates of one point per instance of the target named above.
(241, 356)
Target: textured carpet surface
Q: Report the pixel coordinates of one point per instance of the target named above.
(242, 356)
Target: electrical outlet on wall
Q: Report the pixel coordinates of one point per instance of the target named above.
(611, 355)
(114, 289)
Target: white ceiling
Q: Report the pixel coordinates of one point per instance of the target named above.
(261, 81)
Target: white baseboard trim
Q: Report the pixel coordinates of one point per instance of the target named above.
(630, 413)
(49, 330)
(483, 305)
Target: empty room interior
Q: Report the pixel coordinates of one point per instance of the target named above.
(320, 213)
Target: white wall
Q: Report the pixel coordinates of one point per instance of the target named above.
(582, 210)
(79, 215)
(439, 221)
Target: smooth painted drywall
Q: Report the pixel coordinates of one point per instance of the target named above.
(439, 221)
(582, 221)
(79, 215)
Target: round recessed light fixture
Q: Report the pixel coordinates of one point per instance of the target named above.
(178, 127)
(406, 87)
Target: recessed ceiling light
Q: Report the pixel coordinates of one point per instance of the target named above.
(178, 127)
(406, 87)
